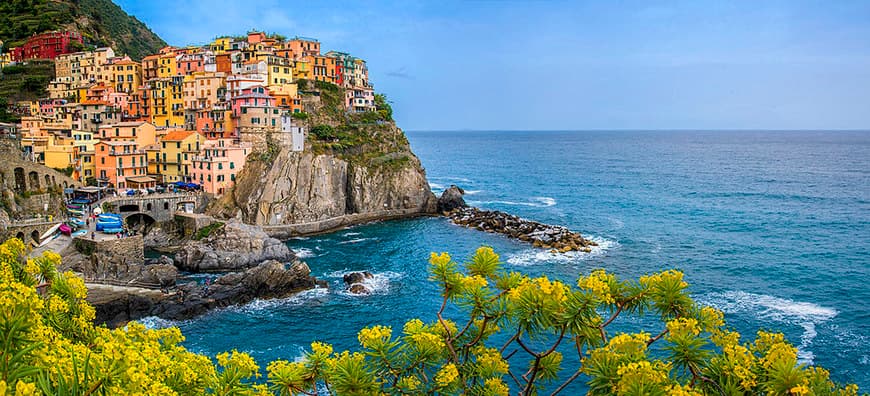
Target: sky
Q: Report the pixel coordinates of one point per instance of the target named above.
(572, 65)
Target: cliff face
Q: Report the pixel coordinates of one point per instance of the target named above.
(354, 169)
(325, 190)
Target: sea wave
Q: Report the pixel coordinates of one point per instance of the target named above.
(472, 192)
(271, 304)
(536, 255)
(356, 240)
(304, 253)
(450, 178)
(764, 307)
(379, 283)
(347, 234)
(154, 322)
(537, 202)
(436, 187)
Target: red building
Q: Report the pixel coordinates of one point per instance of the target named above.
(46, 46)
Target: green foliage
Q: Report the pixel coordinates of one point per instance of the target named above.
(385, 110)
(206, 231)
(66, 171)
(301, 116)
(25, 82)
(48, 344)
(101, 23)
(323, 132)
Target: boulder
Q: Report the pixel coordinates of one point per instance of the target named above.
(234, 246)
(357, 277)
(358, 288)
(451, 199)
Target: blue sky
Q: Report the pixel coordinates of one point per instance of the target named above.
(535, 65)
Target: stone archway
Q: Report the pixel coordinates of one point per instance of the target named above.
(35, 236)
(33, 180)
(140, 222)
(20, 236)
(47, 180)
(20, 180)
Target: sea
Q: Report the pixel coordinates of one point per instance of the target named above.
(772, 227)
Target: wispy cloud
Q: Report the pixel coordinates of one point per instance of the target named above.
(400, 73)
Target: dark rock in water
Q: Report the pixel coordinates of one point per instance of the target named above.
(354, 282)
(271, 279)
(358, 288)
(451, 199)
(556, 238)
(233, 247)
(357, 277)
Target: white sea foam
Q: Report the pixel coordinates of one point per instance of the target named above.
(450, 178)
(379, 283)
(271, 304)
(804, 314)
(299, 238)
(355, 240)
(436, 187)
(536, 255)
(472, 192)
(347, 234)
(537, 202)
(304, 253)
(153, 322)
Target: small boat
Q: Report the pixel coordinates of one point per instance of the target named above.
(102, 225)
(109, 217)
(112, 230)
(78, 222)
(51, 231)
(74, 206)
(79, 233)
(77, 212)
(65, 229)
(47, 240)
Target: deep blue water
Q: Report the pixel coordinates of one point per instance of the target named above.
(771, 227)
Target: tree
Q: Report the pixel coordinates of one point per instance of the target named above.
(50, 346)
(384, 108)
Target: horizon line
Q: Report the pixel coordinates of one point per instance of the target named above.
(641, 130)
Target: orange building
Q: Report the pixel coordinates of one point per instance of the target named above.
(121, 164)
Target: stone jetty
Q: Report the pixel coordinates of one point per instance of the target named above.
(556, 238)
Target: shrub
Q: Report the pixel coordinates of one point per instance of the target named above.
(50, 345)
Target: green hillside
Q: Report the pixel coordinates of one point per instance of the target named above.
(101, 23)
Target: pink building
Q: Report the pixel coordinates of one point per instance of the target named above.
(256, 99)
(218, 164)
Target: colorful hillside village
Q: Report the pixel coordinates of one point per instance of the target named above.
(184, 115)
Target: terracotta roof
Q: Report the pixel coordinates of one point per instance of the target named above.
(177, 135)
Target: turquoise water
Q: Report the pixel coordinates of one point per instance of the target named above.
(771, 227)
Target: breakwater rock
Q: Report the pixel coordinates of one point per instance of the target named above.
(557, 238)
(116, 306)
(355, 282)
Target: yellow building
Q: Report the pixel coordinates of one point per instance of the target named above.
(165, 98)
(177, 150)
(60, 156)
(167, 65)
(302, 70)
(126, 76)
(220, 45)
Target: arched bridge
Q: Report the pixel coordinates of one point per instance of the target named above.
(144, 210)
(26, 230)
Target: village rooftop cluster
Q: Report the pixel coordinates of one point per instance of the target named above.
(183, 115)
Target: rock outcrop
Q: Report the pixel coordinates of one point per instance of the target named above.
(117, 260)
(451, 199)
(271, 279)
(557, 238)
(355, 282)
(231, 247)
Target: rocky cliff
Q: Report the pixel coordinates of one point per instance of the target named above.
(354, 168)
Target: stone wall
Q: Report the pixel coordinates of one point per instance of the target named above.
(110, 258)
(187, 224)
